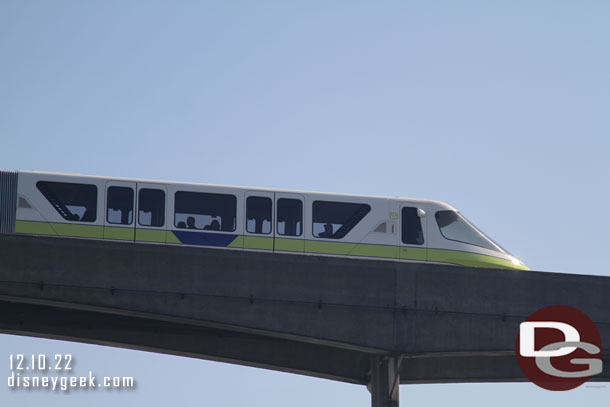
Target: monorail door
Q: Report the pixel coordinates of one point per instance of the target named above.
(412, 233)
(289, 222)
(259, 229)
(151, 224)
(119, 219)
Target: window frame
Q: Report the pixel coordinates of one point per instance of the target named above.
(402, 226)
(95, 191)
(219, 194)
(163, 210)
(268, 198)
(107, 207)
(346, 233)
(277, 218)
(498, 248)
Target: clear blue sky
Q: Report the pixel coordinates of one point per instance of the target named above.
(498, 108)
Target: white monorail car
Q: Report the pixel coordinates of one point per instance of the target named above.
(402, 229)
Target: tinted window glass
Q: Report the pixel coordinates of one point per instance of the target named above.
(197, 210)
(454, 226)
(289, 217)
(411, 227)
(258, 215)
(74, 202)
(151, 207)
(333, 220)
(119, 204)
(381, 228)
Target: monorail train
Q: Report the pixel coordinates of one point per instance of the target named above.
(401, 229)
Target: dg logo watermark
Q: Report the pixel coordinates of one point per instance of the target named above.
(559, 348)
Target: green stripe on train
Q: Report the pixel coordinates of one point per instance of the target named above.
(94, 231)
(256, 242)
(350, 249)
(289, 245)
(471, 259)
(74, 230)
(413, 253)
(156, 236)
(325, 247)
(150, 235)
(118, 233)
(172, 238)
(281, 244)
(238, 242)
(375, 250)
(34, 228)
(61, 229)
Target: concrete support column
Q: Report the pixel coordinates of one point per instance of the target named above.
(385, 380)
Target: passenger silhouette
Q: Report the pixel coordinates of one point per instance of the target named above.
(215, 225)
(328, 231)
(190, 222)
(181, 225)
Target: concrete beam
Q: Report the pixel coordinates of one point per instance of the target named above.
(453, 324)
(184, 340)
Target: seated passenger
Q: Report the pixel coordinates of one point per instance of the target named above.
(181, 225)
(215, 225)
(328, 231)
(190, 222)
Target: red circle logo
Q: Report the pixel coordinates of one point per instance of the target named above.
(559, 348)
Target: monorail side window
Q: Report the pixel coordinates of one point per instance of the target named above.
(199, 210)
(289, 217)
(74, 202)
(333, 220)
(411, 227)
(119, 204)
(258, 215)
(151, 207)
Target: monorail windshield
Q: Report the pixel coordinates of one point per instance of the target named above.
(454, 226)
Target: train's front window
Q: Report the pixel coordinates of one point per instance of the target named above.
(454, 226)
